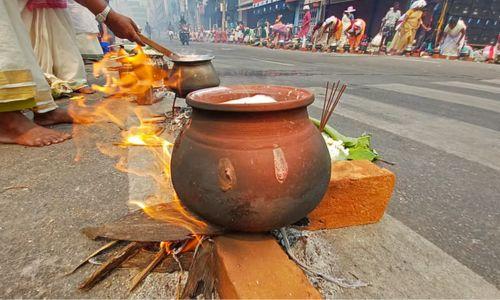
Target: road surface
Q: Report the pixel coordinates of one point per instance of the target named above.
(438, 120)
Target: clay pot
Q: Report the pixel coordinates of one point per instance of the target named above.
(250, 167)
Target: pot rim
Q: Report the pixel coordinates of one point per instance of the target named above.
(191, 58)
(212, 98)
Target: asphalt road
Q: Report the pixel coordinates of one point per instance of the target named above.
(438, 120)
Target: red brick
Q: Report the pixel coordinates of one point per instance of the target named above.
(358, 194)
(254, 266)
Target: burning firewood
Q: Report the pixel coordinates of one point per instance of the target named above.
(168, 265)
(110, 265)
(98, 251)
(160, 255)
(140, 226)
(201, 279)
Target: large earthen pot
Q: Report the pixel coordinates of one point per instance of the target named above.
(250, 167)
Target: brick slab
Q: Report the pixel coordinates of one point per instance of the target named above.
(254, 266)
(358, 194)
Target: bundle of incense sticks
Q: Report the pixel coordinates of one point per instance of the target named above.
(332, 97)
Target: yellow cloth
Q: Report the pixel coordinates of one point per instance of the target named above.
(22, 83)
(17, 90)
(406, 34)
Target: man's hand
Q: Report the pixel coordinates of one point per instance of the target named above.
(123, 27)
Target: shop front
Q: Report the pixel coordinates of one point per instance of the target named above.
(268, 10)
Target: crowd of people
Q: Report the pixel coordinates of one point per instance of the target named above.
(414, 31)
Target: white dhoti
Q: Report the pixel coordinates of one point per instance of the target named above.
(454, 40)
(54, 43)
(22, 83)
(452, 45)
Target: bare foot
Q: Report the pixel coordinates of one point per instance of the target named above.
(15, 128)
(75, 115)
(56, 116)
(85, 90)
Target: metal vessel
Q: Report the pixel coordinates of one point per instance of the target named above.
(191, 73)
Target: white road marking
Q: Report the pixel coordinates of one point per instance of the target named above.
(468, 141)
(389, 254)
(274, 62)
(439, 95)
(412, 59)
(471, 86)
(495, 81)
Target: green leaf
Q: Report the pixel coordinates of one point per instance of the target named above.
(361, 154)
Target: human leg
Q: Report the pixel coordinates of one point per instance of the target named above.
(21, 84)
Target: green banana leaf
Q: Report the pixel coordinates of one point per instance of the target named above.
(359, 148)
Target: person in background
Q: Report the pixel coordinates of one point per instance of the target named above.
(389, 24)
(316, 32)
(278, 30)
(453, 38)
(86, 29)
(355, 33)
(262, 30)
(407, 29)
(22, 83)
(306, 25)
(425, 39)
(347, 18)
(331, 31)
(171, 32)
(349, 12)
(335, 28)
(147, 29)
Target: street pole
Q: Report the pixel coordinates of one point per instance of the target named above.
(441, 22)
(223, 10)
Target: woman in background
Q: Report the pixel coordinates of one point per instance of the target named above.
(355, 33)
(410, 23)
(347, 19)
(453, 38)
(306, 25)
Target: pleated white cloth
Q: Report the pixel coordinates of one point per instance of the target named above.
(54, 43)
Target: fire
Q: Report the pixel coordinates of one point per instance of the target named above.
(129, 77)
(181, 247)
(125, 74)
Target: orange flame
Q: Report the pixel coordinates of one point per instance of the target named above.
(128, 77)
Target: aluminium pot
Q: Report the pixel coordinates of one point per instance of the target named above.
(191, 73)
(250, 167)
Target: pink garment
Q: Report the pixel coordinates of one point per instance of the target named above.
(306, 25)
(280, 28)
(36, 4)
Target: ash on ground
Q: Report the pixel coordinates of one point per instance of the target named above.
(315, 250)
(177, 119)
